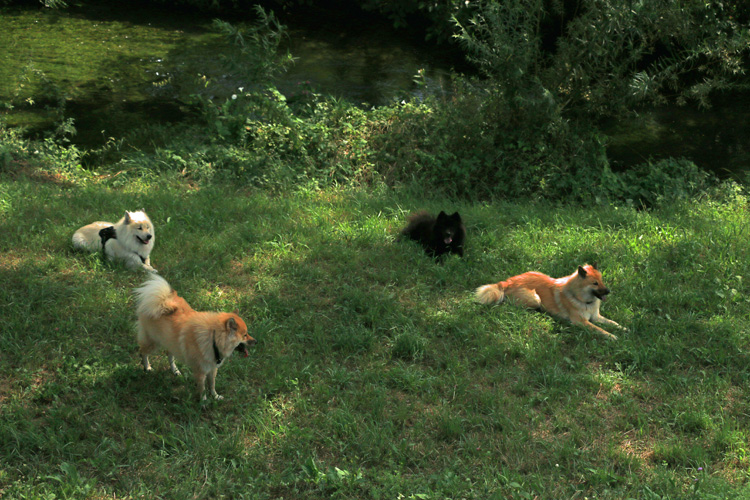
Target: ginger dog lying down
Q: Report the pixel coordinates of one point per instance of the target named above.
(576, 297)
(202, 340)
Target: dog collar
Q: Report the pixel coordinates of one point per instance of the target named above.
(217, 354)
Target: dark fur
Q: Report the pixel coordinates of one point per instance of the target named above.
(437, 235)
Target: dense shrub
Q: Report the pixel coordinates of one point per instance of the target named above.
(456, 145)
(605, 58)
(653, 182)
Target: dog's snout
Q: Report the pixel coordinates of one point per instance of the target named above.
(251, 341)
(605, 291)
(147, 237)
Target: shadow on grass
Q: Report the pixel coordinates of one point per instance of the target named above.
(371, 355)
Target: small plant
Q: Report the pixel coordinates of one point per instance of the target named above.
(409, 346)
(256, 52)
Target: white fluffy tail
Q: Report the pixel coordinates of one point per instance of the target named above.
(490, 294)
(152, 298)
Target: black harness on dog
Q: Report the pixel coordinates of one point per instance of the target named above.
(109, 233)
(106, 234)
(217, 354)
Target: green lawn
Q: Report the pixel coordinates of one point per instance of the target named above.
(376, 375)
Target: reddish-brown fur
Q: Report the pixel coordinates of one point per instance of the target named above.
(167, 321)
(576, 297)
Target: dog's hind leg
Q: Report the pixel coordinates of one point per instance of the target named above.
(525, 297)
(200, 383)
(145, 363)
(146, 346)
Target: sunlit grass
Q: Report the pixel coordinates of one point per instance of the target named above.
(375, 374)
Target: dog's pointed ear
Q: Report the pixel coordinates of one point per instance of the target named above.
(128, 220)
(581, 272)
(456, 216)
(231, 324)
(442, 215)
(595, 265)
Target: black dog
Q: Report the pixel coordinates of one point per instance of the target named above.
(437, 235)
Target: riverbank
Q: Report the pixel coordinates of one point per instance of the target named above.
(110, 69)
(107, 73)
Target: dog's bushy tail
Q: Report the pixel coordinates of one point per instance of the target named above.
(415, 221)
(153, 298)
(490, 294)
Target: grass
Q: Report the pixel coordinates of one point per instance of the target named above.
(375, 375)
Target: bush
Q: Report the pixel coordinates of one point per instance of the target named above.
(666, 180)
(457, 145)
(605, 59)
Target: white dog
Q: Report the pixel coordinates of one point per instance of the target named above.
(130, 240)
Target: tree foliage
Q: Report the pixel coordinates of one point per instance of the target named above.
(607, 56)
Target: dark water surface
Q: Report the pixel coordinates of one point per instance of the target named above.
(111, 67)
(119, 68)
(363, 58)
(716, 139)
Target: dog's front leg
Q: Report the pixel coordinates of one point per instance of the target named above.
(133, 261)
(147, 266)
(212, 383)
(592, 326)
(116, 250)
(607, 321)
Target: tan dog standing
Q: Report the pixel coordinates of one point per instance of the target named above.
(202, 340)
(576, 297)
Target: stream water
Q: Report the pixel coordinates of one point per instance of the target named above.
(113, 65)
(716, 139)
